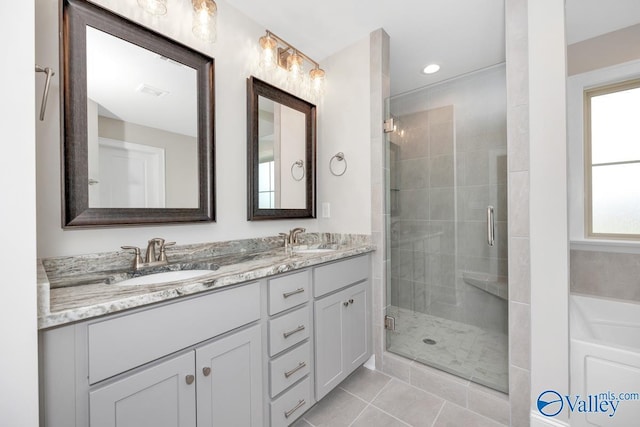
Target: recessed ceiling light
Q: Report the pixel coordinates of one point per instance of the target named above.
(430, 69)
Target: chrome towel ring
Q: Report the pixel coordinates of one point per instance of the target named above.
(300, 164)
(339, 156)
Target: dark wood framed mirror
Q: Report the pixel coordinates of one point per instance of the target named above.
(281, 153)
(138, 125)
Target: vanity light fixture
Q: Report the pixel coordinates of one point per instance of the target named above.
(277, 52)
(205, 13)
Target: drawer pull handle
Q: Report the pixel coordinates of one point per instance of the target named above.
(298, 329)
(206, 371)
(294, 409)
(190, 379)
(296, 369)
(297, 291)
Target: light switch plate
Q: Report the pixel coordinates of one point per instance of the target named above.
(326, 210)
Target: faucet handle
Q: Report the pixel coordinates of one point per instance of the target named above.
(138, 259)
(163, 255)
(285, 236)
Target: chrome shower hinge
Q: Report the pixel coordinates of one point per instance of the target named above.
(390, 323)
(389, 126)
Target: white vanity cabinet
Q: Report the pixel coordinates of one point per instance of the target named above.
(157, 396)
(251, 355)
(289, 353)
(342, 321)
(224, 377)
(186, 363)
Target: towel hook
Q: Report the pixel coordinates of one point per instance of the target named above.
(300, 164)
(339, 156)
(50, 73)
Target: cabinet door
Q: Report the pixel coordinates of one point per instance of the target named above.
(329, 312)
(355, 328)
(158, 396)
(229, 377)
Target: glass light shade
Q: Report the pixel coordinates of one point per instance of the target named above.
(268, 59)
(204, 20)
(295, 67)
(317, 80)
(154, 7)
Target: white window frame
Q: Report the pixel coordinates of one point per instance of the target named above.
(588, 163)
(576, 86)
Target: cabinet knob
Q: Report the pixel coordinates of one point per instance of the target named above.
(346, 303)
(351, 301)
(190, 379)
(206, 371)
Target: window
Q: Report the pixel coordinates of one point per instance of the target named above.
(612, 161)
(266, 192)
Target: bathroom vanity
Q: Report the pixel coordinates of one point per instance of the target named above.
(254, 343)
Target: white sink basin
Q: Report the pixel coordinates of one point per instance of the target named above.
(164, 277)
(312, 250)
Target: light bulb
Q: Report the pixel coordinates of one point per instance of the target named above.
(204, 20)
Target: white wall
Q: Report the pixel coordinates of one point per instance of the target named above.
(344, 125)
(18, 358)
(548, 200)
(236, 58)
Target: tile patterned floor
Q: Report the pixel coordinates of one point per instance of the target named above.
(373, 399)
(461, 349)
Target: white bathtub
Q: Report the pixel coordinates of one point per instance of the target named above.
(605, 357)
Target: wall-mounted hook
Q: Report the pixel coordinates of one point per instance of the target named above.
(50, 73)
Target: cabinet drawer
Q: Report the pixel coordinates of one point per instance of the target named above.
(291, 405)
(331, 277)
(288, 291)
(288, 330)
(289, 368)
(122, 343)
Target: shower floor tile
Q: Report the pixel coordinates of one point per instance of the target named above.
(464, 350)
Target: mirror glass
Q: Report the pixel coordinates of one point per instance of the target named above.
(138, 123)
(281, 153)
(142, 127)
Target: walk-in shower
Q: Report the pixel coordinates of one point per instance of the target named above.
(447, 228)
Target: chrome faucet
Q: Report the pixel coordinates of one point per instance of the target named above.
(150, 258)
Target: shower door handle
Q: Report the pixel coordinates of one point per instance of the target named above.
(491, 227)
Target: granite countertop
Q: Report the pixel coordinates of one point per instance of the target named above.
(83, 294)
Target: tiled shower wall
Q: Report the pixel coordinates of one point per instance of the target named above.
(422, 210)
(517, 52)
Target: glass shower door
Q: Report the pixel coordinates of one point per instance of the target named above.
(447, 229)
